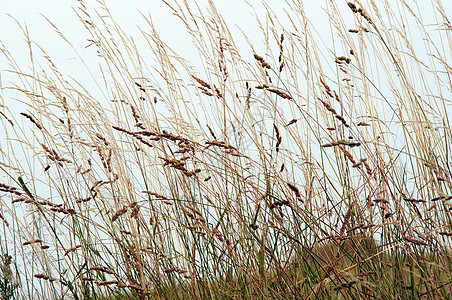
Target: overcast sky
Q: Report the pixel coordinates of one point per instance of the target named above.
(237, 13)
(127, 14)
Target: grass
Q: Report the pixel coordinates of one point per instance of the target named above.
(298, 166)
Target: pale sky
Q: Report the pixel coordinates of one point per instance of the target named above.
(127, 14)
(237, 13)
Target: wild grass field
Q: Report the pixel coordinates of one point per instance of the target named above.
(291, 165)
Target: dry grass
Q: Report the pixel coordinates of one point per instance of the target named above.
(292, 170)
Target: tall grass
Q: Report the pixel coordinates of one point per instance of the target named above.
(293, 168)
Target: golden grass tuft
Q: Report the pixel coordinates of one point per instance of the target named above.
(293, 165)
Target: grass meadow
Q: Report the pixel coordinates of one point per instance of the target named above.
(289, 165)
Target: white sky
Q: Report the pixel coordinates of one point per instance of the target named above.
(127, 14)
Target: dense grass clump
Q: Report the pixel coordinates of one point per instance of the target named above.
(285, 166)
